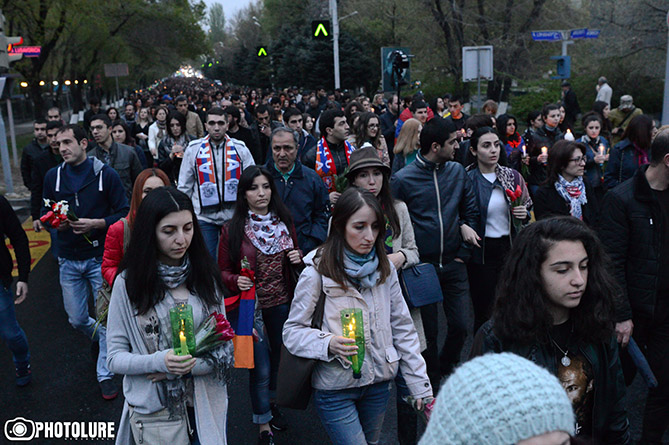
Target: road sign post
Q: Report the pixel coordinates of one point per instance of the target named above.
(116, 70)
(477, 64)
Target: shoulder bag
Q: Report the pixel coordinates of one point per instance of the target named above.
(420, 285)
(104, 293)
(293, 388)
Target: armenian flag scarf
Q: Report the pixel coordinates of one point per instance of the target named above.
(325, 166)
(207, 171)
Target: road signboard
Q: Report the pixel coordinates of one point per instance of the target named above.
(116, 69)
(27, 51)
(578, 33)
(547, 36)
(477, 63)
(592, 34)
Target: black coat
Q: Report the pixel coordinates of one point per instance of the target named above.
(43, 163)
(30, 153)
(631, 229)
(548, 202)
(609, 416)
(10, 226)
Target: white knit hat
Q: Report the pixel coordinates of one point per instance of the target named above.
(498, 399)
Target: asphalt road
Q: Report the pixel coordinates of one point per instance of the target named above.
(64, 387)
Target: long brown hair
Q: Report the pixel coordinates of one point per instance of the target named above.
(138, 189)
(331, 253)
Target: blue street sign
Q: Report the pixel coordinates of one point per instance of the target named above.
(578, 33)
(592, 33)
(546, 36)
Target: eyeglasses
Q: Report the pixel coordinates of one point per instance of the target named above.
(579, 160)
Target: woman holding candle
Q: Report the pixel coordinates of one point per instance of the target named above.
(541, 142)
(367, 172)
(261, 232)
(554, 307)
(500, 217)
(597, 153)
(167, 266)
(565, 192)
(353, 272)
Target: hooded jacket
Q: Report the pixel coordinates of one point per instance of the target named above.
(99, 194)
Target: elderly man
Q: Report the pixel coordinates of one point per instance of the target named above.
(620, 117)
(604, 91)
(300, 188)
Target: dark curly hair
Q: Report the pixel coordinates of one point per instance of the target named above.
(521, 311)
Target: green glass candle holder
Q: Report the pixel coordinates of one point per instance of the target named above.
(352, 327)
(183, 331)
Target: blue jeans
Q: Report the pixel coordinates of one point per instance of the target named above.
(266, 355)
(78, 279)
(10, 331)
(353, 416)
(211, 233)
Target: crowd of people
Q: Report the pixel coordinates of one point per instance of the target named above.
(298, 214)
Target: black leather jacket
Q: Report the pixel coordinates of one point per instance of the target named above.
(610, 424)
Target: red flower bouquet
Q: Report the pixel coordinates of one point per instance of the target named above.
(213, 332)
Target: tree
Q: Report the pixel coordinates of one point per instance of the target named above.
(216, 23)
(79, 36)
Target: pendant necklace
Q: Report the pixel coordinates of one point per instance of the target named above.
(565, 360)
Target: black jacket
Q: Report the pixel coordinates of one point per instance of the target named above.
(387, 120)
(10, 226)
(541, 138)
(30, 153)
(610, 424)
(124, 161)
(548, 202)
(631, 228)
(307, 199)
(428, 188)
(43, 163)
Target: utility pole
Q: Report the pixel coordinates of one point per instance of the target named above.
(335, 41)
(665, 106)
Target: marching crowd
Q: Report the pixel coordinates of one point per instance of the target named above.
(328, 229)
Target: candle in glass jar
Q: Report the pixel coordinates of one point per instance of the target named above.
(524, 150)
(544, 150)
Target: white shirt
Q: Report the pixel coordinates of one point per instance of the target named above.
(604, 94)
(497, 221)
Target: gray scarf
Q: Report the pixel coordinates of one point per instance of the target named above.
(362, 270)
(174, 276)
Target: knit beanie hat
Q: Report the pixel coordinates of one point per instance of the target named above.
(498, 399)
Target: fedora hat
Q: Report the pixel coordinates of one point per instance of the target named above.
(362, 158)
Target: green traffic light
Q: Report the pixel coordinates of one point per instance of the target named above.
(320, 29)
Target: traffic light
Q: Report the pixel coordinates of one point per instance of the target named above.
(320, 30)
(261, 51)
(5, 42)
(563, 67)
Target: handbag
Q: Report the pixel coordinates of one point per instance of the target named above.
(104, 293)
(420, 285)
(293, 388)
(158, 428)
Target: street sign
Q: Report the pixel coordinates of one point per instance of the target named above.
(116, 69)
(388, 56)
(477, 63)
(592, 34)
(261, 51)
(547, 36)
(578, 33)
(320, 29)
(27, 51)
